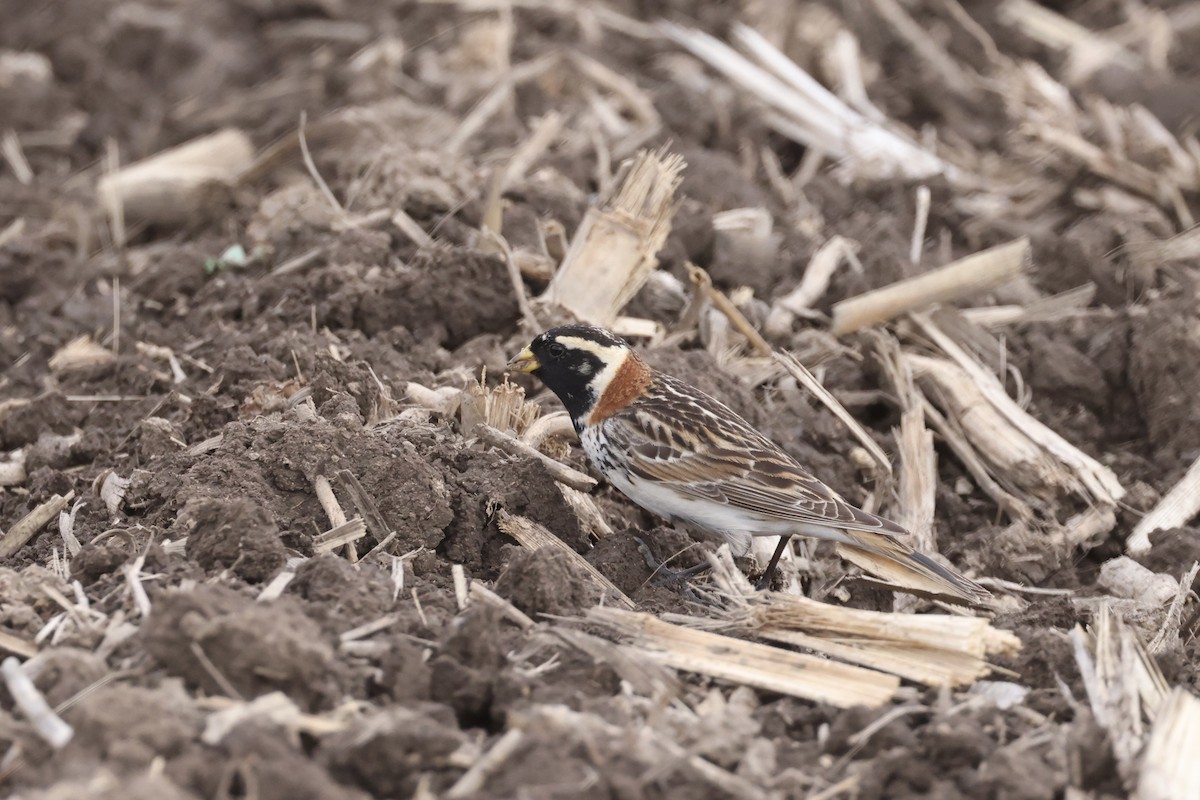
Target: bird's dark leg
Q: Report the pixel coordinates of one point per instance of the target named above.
(668, 575)
(765, 581)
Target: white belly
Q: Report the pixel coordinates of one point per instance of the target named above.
(734, 525)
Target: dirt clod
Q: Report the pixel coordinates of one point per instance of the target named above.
(385, 753)
(1165, 348)
(152, 722)
(222, 642)
(235, 535)
(340, 594)
(546, 582)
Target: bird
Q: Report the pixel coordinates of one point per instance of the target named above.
(687, 457)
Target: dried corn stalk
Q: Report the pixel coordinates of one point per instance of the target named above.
(1030, 445)
(748, 663)
(502, 407)
(968, 276)
(1014, 460)
(804, 110)
(616, 246)
(1125, 688)
(932, 649)
(1180, 505)
(1171, 762)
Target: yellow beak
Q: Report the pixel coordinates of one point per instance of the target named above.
(524, 361)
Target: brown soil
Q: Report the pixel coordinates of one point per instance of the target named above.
(290, 374)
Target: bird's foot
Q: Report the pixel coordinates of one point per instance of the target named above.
(663, 575)
(764, 581)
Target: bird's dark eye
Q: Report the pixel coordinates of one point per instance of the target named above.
(556, 350)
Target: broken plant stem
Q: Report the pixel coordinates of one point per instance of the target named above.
(1180, 505)
(31, 523)
(616, 245)
(345, 534)
(514, 274)
(810, 382)
(722, 303)
(337, 520)
(33, 705)
(979, 272)
(749, 663)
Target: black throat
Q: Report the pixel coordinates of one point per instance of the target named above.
(570, 379)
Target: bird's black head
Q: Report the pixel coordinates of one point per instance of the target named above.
(576, 362)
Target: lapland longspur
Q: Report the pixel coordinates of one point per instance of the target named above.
(683, 455)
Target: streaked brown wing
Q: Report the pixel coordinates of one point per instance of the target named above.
(679, 436)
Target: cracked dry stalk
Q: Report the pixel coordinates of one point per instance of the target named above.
(616, 246)
(748, 663)
(974, 274)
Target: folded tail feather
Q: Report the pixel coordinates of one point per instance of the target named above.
(897, 552)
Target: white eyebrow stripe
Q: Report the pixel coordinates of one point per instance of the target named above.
(606, 352)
